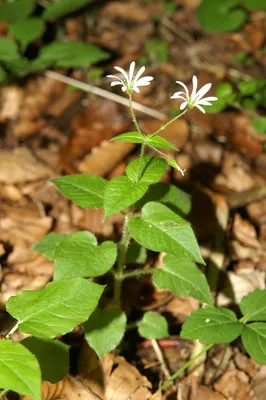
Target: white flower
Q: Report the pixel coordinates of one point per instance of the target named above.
(130, 82)
(195, 99)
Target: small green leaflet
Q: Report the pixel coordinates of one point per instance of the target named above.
(17, 10)
(52, 356)
(255, 4)
(212, 325)
(8, 50)
(254, 340)
(71, 54)
(160, 229)
(19, 370)
(78, 255)
(136, 254)
(153, 326)
(59, 8)
(152, 169)
(47, 245)
(183, 278)
(105, 329)
(130, 137)
(169, 195)
(56, 309)
(253, 306)
(121, 193)
(27, 31)
(86, 191)
(160, 142)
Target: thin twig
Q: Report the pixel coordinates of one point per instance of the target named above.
(104, 93)
(160, 358)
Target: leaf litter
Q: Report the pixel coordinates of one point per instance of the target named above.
(47, 130)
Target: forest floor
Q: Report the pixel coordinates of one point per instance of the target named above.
(49, 129)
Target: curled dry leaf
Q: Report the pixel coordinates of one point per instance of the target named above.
(245, 232)
(104, 158)
(19, 166)
(235, 384)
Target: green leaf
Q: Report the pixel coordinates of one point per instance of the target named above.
(121, 193)
(87, 191)
(8, 50)
(171, 196)
(157, 49)
(71, 54)
(136, 254)
(130, 137)
(255, 4)
(221, 16)
(160, 229)
(105, 329)
(160, 142)
(224, 89)
(250, 87)
(3, 74)
(52, 356)
(13, 11)
(27, 31)
(78, 255)
(183, 278)
(254, 340)
(19, 370)
(151, 171)
(212, 325)
(260, 125)
(48, 244)
(253, 306)
(59, 8)
(56, 309)
(153, 326)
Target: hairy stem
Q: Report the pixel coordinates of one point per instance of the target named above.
(138, 272)
(183, 368)
(168, 123)
(134, 119)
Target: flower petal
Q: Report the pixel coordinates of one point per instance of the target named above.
(179, 95)
(183, 105)
(202, 91)
(200, 108)
(131, 71)
(139, 73)
(185, 87)
(116, 83)
(144, 78)
(123, 72)
(194, 87)
(212, 98)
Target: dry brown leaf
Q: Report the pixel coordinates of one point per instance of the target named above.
(19, 166)
(235, 385)
(246, 364)
(200, 392)
(259, 383)
(245, 232)
(11, 100)
(257, 211)
(104, 158)
(23, 226)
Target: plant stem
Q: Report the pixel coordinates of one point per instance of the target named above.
(168, 123)
(4, 391)
(123, 245)
(183, 368)
(12, 330)
(139, 272)
(134, 119)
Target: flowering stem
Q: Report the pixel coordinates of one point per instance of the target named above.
(12, 330)
(123, 245)
(168, 123)
(134, 119)
(183, 368)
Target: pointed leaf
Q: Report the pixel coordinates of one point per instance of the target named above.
(17, 10)
(160, 142)
(153, 326)
(136, 254)
(183, 278)
(121, 193)
(19, 370)
(8, 50)
(47, 245)
(212, 325)
(130, 137)
(254, 341)
(71, 54)
(77, 255)
(86, 191)
(56, 309)
(152, 169)
(171, 196)
(160, 229)
(105, 329)
(59, 8)
(253, 306)
(27, 31)
(52, 356)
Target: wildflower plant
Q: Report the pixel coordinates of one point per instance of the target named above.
(154, 219)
